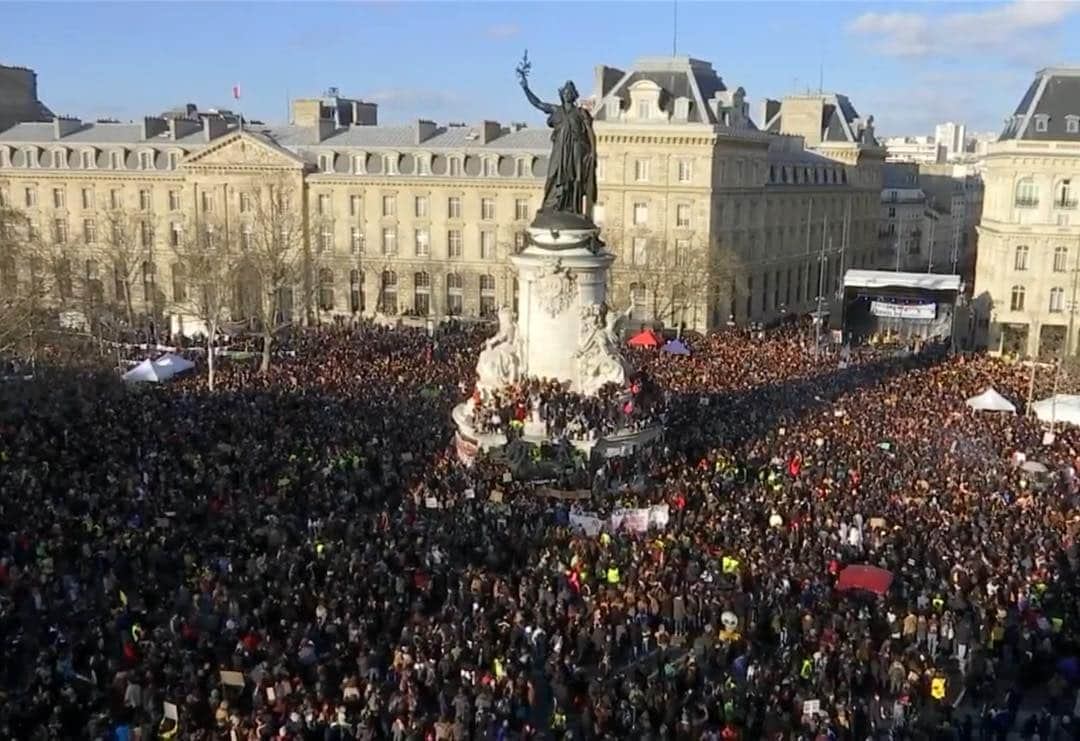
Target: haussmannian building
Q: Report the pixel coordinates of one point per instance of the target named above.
(1026, 271)
(713, 218)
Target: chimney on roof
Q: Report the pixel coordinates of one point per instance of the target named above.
(63, 125)
(424, 130)
(181, 127)
(605, 79)
(365, 114)
(153, 126)
(488, 131)
(324, 127)
(213, 127)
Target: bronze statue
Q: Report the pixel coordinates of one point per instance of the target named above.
(571, 177)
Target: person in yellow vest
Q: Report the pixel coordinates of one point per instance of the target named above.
(729, 564)
(613, 575)
(807, 669)
(937, 688)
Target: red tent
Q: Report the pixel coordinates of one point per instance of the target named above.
(870, 578)
(646, 338)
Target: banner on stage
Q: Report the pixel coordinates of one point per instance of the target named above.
(903, 311)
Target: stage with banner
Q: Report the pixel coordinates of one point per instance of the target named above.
(886, 307)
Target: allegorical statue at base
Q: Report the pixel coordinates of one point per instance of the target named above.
(571, 179)
(499, 364)
(599, 361)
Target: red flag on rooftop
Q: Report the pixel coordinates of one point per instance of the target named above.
(236, 92)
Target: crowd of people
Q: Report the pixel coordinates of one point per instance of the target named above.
(301, 554)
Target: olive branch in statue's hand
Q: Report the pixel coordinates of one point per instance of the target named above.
(523, 69)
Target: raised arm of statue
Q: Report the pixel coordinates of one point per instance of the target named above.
(536, 102)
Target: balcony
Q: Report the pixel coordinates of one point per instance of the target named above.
(1027, 203)
(1067, 204)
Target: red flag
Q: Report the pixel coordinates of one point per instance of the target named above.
(236, 92)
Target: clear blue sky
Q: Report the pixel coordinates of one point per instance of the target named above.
(910, 65)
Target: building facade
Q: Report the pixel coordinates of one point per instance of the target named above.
(712, 219)
(19, 98)
(917, 149)
(951, 138)
(1029, 234)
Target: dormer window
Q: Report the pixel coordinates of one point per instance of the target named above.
(1042, 123)
(643, 109)
(116, 160)
(613, 109)
(5, 157)
(1072, 124)
(146, 160)
(423, 165)
(59, 158)
(326, 162)
(86, 157)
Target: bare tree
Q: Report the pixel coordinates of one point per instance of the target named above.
(206, 259)
(274, 261)
(20, 303)
(124, 242)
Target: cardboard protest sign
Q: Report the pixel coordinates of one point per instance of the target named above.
(810, 708)
(877, 523)
(431, 503)
(470, 494)
(231, 678)
(171, 712)
(496, 496)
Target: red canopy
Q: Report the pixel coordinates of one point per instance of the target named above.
(870, 578)
(646, 338)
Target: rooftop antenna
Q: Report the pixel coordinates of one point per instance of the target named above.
(674, 27)
(821, 72)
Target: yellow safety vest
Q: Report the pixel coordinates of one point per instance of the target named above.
(937, 688)
(729, 565)
(807, 668)
(613, 575)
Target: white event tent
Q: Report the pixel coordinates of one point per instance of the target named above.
(1060, 408)
(162, 369)
(991, 401)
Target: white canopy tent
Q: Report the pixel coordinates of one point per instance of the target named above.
(991, 401)
(170, 364)
(145, 372)
(1060, 408)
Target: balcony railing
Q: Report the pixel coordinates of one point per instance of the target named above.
(1065, 203)
(1027, 202)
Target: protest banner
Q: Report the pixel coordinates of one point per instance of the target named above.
(231, 678)
(586, 522)
(659, 516)
(571, 496)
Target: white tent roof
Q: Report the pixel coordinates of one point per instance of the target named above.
(170, 364)
(991, 401)
(1063, 408)
(144, 372)
(887, 279)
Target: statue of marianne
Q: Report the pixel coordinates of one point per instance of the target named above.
(571, 177)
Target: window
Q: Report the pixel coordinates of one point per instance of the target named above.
(637, 299)
(179, 283)
(641, 170)
(146, 160)
(1057, 300)
(326, 162)
(487, 295)
(1027, 194)
(172, 159)
(892, 212)
(60, 231)
(1072, 124)
(453, 294)
(247, 237)
(59, 158)
(1061, 259)
(174, 200)
(455, 166)
(682, 216)
(58, 197)
(487, 245)
(389, 240)
(32, 232)
(453, 207)
(324, 204)
(356, 291)
(115, 160)
(326, 289)
(521, 241)
(148, 281)
(601, 169)
(420, 207)
(146, 233)
(356, 240)
(89, 231)
(388, 292)
(144, 200)
(1064, 197)
(685, 171)
(210, 236)
(3, 198)
(176, 234)
(489, 167)
(245, 203)
(423, 166)
(116, 199)
(354, 205)
(207, 202)
(422, 293)
(453, 243)
(1017, 302)
(422, 242)
(643, 109)
(326, 239)
(389, 205)
(640, 254)
(682, 253)
(1042, 123)
(358, 162)
(1020, 261)
(521, 209)
(641, 214)
(86, 157)
(31, 197)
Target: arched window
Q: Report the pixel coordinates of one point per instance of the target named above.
(1057, 300)
(356, 291)
(179, 282)
(1064, 195)
(1027, 194)
(1061, 259)
(1017, 300)
(453, 294)
(678, 304)
(1020, 260)
(422, 293)
(95, 291)
(148, 272)
(388, 293)
(326, 289)
(487, 295)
